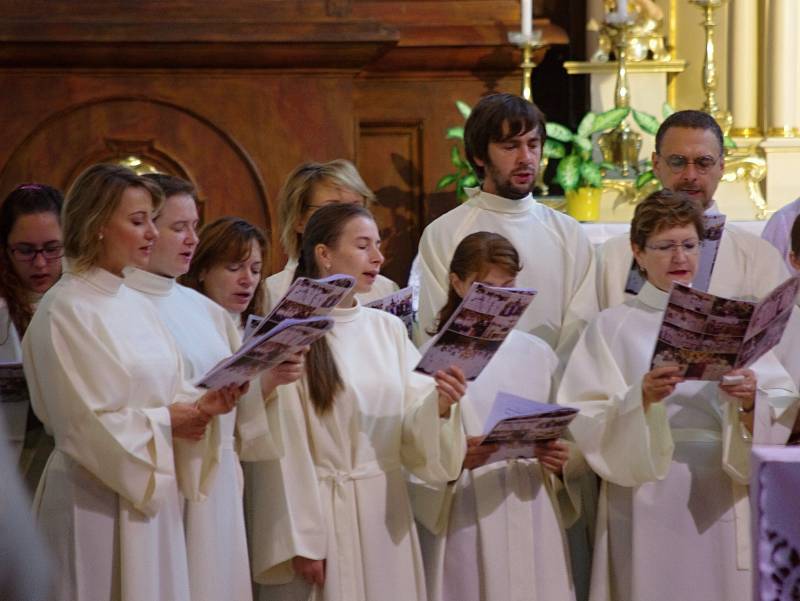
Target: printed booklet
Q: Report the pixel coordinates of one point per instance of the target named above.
(477, 328)
(13, 388)
(264, 351)
(709, 335)
(714, 226)
(305, 298)
(399, 304)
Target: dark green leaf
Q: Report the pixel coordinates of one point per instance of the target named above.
(610, 119)
(608, 166)
(470, 181)
(447, 180)
(728, 142)
(553, 149)
(455, 133)
(463, 108)
(666, 110)
(583, 144)
(568, 172)
(643, 178)
(455, 158)
(590, 173)
(647, 122)
(586, 124)
(558, 132)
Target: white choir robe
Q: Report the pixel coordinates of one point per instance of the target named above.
(102, 369)
(746, 268)
(339, 492)
(216, 541)
(673, 517)
(15, 415)
(277, 284)
(778, 231)
(497, 534)
(557, 260)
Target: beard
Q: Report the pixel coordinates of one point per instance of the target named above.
(503, 186)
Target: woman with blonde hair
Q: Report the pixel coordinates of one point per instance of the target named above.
(307, 188)
(503, 518)
(107, 379)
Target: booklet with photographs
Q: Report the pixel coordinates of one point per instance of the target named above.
(714, 226)
(305, 298)
(263, 351)
(13, 388)
(708, 336)
(399, 304)
(477, 328)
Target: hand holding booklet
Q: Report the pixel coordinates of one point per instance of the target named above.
(708, 336)
(518, 425)
(477, 328)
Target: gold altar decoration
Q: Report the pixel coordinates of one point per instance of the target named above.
(710, 104)
(645, 39)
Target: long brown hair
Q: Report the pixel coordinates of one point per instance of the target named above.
(227, 240)
(27, 199)
(324, 227)
(474, 256)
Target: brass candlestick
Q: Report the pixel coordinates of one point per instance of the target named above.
(710, 104)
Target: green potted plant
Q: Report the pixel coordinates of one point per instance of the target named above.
(577, 173)
(464, 177)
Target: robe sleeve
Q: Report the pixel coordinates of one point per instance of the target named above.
(284, 506)
(82, 392)
(620, 441)
(613, 266)
(432, 448)
(433, 270)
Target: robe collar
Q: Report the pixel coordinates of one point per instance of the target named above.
(99, 279)
(291, 265)
(149, 283)
(346, 314)
(498, 204)
(713, 209)
(653, 297)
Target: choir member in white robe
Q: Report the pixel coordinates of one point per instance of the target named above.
(334, 511)
(689, 158)
(777, 232)
(673, 454)
(205, 333)
(497, 533)
(107, 379)
(503, 137)
(30, 263)
(307, 188)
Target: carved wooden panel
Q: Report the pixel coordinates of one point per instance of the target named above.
(390, 160)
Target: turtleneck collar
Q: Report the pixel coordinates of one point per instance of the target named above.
(712, 209)
(149, 283)
(653, 297)
(499, 204)
(346, 314)
(98, 278)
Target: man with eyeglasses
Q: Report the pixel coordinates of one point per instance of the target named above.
(689, 158)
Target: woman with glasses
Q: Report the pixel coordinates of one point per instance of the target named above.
(307, 188)
(673, 454)
(30, 263)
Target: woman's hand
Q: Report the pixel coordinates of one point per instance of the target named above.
(451, 385)
(552, 454)
(745, 393)
(312, 570)
(217, 402)
(291, 370)
(659, 383)
(477, 455)
(187, 421)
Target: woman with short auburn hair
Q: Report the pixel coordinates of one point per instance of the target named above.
(673, 452)
(106, 378)
(307, 188)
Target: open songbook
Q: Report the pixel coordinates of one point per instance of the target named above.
(714, 226)
(399, 304)
(264, 351)
(305, 298)
(709, 335)
(477, 328)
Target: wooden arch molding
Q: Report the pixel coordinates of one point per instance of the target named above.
(167, 135)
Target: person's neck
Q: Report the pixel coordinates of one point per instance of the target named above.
(349, 300)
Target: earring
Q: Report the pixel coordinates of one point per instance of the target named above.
(100, 236)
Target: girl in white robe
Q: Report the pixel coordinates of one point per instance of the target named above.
(205, 333)
(497, 533)
(30, 263)
(106, 378)
(308, 187)
(332, 519)
(673, 455)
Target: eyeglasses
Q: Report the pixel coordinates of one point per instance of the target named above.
(27, 252)
(678, 163)
(690, 247)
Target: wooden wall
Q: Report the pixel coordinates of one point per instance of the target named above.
(232, 95)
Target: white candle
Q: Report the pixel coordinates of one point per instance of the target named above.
(526, 7)
(622, 9)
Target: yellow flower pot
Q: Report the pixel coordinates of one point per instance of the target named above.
(583, 204)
